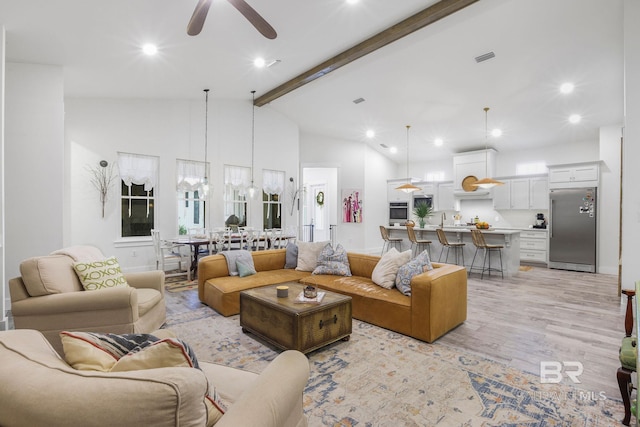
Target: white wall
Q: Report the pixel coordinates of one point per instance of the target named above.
(34, 161)
(170, 129)
(609, 200)
(3, 290)
(360, 167)
(631, 149)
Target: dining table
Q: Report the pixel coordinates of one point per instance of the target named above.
(216, 245)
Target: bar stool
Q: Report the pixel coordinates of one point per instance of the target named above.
(480, 243)
(388, 241)
(417, 244)
(456, 246)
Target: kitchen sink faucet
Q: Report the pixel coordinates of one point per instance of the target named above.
(442, 218)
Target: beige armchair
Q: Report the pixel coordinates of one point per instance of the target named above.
(49, 297)
(39, 388)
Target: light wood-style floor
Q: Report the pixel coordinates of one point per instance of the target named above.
(538, 315)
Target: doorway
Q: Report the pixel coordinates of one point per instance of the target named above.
(319, 207)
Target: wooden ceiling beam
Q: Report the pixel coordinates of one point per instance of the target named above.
(413, 23)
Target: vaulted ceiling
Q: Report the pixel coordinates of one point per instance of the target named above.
(428, 79)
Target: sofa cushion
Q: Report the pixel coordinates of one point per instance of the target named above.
(308, 253)
(384, 274)
(244, 269)
(291, 257)
(96, 275)
(133, 352)
(333, 261)
(406, 272)
(51, 274)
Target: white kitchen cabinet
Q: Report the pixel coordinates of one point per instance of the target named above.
(533, 246)
(522, 193)
(426, 189)
(519, 193)
(574, 175)
(445, 200)
(394, 195)
(502, 196)
(539, 193)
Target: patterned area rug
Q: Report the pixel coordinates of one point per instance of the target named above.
(381, 378)
(178, 284)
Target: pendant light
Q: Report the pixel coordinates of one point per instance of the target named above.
(486, 182)
(252, 189)
(408, 187)
(205, 181)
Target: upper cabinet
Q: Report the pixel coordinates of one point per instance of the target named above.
(574, 175)
(445, 200)
(522, 193)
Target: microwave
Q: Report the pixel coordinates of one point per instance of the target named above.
(426, 199)
(398, 213)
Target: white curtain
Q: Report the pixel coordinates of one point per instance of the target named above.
(237, 177)
(273, 183)
(190, 175)
(140, 170)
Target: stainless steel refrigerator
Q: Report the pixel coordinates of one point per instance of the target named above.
(572, 229)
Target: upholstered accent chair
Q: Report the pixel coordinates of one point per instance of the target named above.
(49, 297)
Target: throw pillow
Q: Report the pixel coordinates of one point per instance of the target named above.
(308, 253)
(130, 352)
(244, 269)
(291, 256)
(407, 271)
(333, 261)
(96, 275)
(385, 271)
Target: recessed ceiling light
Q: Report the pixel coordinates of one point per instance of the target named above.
(567, 88)
(352, 1)
(260, 62)
(438, 142)
(371, 133)
(575, 118)
(496, 132)
(149, 49)
(393, 149)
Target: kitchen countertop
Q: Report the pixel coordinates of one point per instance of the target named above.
(462, 229)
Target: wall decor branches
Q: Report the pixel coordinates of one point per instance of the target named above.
(102, 178)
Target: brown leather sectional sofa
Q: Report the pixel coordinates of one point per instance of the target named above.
(438, 301)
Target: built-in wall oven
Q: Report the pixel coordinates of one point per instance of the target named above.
(398, 213)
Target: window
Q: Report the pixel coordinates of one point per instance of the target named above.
(434, 176)
(191, 197)
(237, 180)
(139, 175)
(272, 190)
(531, 168)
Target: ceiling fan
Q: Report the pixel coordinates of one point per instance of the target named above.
(200, 14)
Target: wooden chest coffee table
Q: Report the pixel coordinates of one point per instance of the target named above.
(295, 326)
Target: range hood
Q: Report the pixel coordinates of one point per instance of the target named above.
(468, 168)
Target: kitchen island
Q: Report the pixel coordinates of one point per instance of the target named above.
(510, 239)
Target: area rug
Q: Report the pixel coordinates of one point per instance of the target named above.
(381, 378)
(525, 268)
(178, 284)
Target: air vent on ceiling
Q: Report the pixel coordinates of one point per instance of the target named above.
(358, 101)
(485, 57)
(384, 146)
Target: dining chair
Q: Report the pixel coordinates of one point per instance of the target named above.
(274, 236)
(200, 233)
(221, 237)
(249, 236)
(167, 253)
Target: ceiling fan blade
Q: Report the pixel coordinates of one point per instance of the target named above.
(254, 17)
(197, 19)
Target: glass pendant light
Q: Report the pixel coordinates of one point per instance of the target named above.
(408, 187)
(252, 189)
(205, 181)
(486, 182)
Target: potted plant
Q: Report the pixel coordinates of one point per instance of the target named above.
(422, 210)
